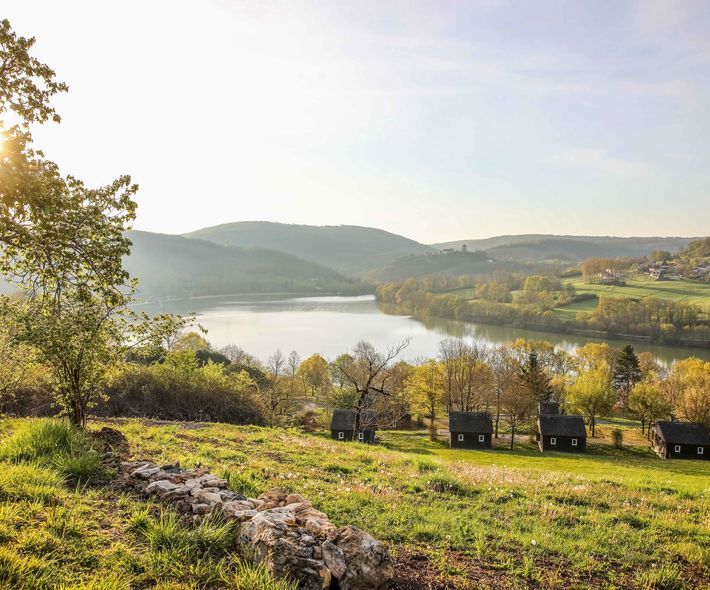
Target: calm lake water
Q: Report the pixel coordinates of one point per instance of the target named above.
(332, 325)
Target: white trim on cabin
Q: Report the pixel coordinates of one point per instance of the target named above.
(361, 436)
(701, 450)
(341, 436)
(460, 438)
(553, 440)
(574, 442)
(676, 449)
(481, 438)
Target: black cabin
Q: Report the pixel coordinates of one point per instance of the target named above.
(343, 424)
(470, 430)
(562, 433)
(681, 440)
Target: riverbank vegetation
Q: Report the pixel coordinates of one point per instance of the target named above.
(674, 312)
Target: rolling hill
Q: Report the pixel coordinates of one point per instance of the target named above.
(173, 266)
(352, 250)
(563, 248)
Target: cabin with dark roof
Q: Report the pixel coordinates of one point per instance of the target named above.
(342, 426)
(470, 430)
(562, 433)
(681, 440)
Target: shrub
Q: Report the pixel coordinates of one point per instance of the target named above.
(23, 572)
(29, 482)
(57, 444)
(248, 577)
(618, 436)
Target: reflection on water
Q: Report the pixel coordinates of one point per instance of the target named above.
(332, 325)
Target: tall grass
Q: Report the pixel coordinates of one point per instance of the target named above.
(57, 444)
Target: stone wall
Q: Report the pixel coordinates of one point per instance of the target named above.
(279, 529)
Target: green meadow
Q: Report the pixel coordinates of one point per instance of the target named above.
(609, 519)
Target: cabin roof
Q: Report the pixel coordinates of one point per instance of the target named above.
(344, 419)
(685, 433)
(560, 425)
(478, 422)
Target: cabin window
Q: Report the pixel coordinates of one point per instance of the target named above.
(553, 441)
(481, 438)
(341, 435)
(676, 449)
(574, 442)
(460, 438)
(361, 436)
(701, 450)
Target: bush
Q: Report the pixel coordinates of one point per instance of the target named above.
(618, 436)
(57, 444)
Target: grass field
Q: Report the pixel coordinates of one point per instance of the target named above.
(457, 519)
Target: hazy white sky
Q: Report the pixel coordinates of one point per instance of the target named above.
(437, 120)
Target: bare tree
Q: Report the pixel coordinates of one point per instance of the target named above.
(369, 372)
(505, 368)
(238, 356)
(468, 379)
(518, 405)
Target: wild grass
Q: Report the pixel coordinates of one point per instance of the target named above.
(56, 444)
(611, 519)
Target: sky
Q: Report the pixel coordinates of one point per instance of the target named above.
(438, 120)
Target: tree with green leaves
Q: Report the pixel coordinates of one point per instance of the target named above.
(62, 244)
(627, 373)
(646, 401)
(592, 394)
(425, 386)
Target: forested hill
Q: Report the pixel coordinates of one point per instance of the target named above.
(350, 249)
(173, 266)
(540, 247)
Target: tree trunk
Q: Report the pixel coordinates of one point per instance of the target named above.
(643, 425)
(592, 423)
(432, 429)
(497, 412)
(77, 415)
(512, 436)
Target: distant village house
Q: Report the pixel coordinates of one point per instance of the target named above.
(558, 432)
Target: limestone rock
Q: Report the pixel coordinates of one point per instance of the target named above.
(369, 566)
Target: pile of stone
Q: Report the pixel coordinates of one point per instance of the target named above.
(279, 529)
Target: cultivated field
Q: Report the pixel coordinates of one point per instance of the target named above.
(454, 519)
(695, 292)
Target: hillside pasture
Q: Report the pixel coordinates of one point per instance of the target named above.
(460, 519)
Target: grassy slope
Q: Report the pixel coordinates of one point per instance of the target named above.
(695, 292)
(529, 520)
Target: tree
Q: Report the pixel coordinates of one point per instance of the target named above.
(627, 373)
(426, 389)
(693, 403)
(315, 374)
(518, 406)
(535, 379)
(505, 371)
(646, 401)
(592, 394)
(368, 371)
(62, 245)
(192, 342)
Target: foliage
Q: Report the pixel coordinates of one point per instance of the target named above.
(592, 394)
(180, 389)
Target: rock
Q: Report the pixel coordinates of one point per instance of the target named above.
(236, 505)
(145, 472)
(334, 559)
(160, 487)
(205, 497)
(201, 508)
(369, 566)
(264, 540)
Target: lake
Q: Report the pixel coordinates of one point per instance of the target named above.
(332, 325)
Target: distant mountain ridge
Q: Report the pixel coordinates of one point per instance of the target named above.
(566, 248)
(352, 250)
(173, 266)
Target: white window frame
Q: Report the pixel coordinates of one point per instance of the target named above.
(459, 438)
(676, 449)
(341, 436)
(481, 438)
(361, 436)
(553, 441)
(701, 450)
(574, 442)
